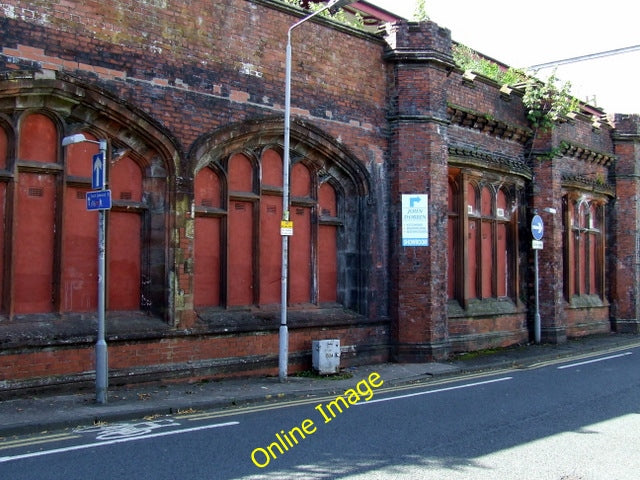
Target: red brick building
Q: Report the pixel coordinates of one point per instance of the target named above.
(190, 98)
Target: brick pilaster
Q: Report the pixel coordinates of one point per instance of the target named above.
(420, 55)
(625, 227)
(548, 194)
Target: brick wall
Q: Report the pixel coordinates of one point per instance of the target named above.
(224, 64)
(176, 356)
(624, 253)
(193, 68)
(192, 71)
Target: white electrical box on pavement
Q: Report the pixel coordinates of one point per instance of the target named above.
(325, 356)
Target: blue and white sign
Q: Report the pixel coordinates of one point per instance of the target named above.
(415, 220)
(99, 200)
(537, 227)
(98, 169)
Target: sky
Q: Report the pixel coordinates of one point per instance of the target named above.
(524, 34)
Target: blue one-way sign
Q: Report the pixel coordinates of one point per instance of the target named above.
(537, 227)
(99, 200)
(97, 171)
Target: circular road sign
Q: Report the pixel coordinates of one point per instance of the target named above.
(537, 227)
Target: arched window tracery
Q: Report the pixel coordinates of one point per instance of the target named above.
(51, 235)
(248, 239)
(482, 226)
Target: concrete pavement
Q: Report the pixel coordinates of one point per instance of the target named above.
(35, 413)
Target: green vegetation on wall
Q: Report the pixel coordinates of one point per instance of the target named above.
(338, 16)
(468, 59)
(420, 13)
(546, 102)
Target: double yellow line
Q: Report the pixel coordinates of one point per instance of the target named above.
(27, 442)
(324, 398)
(420, 383)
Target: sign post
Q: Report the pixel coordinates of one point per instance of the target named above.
(100, 200)
(537, 231)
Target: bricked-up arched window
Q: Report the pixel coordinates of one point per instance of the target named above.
(304, 199)
(501, 225)
(241, 217)
(126, 234)
(329, 222)
(209, 218)
(34, 222)
(237, 258)
(4, 180)
(453, 243)
(80, 234)
(238, 246)
(482, 230)
(52, 237)
(584, 245)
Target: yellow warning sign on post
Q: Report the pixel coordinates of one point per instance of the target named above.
(286, 228)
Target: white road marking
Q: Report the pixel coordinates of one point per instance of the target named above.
(113, 442)
(429, 392)
(126, 430)
(571, 365)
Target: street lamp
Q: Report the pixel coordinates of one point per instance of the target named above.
(333, 6)
(99, 170)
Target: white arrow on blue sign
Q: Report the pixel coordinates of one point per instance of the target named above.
(537, 227)
(97, 176)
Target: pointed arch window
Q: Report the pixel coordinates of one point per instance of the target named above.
(482, 232)
(301, 244)
(584, 245)
(5, 178)
(209, 216)
(238, 244)
(453, 236)
(34, 222)
(52, 237)
(126, 234)
(329, 223)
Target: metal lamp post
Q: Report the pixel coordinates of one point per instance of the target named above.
(102, 364)
(284, 332)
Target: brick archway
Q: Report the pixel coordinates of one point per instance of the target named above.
(49, 182)
(329, 188)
